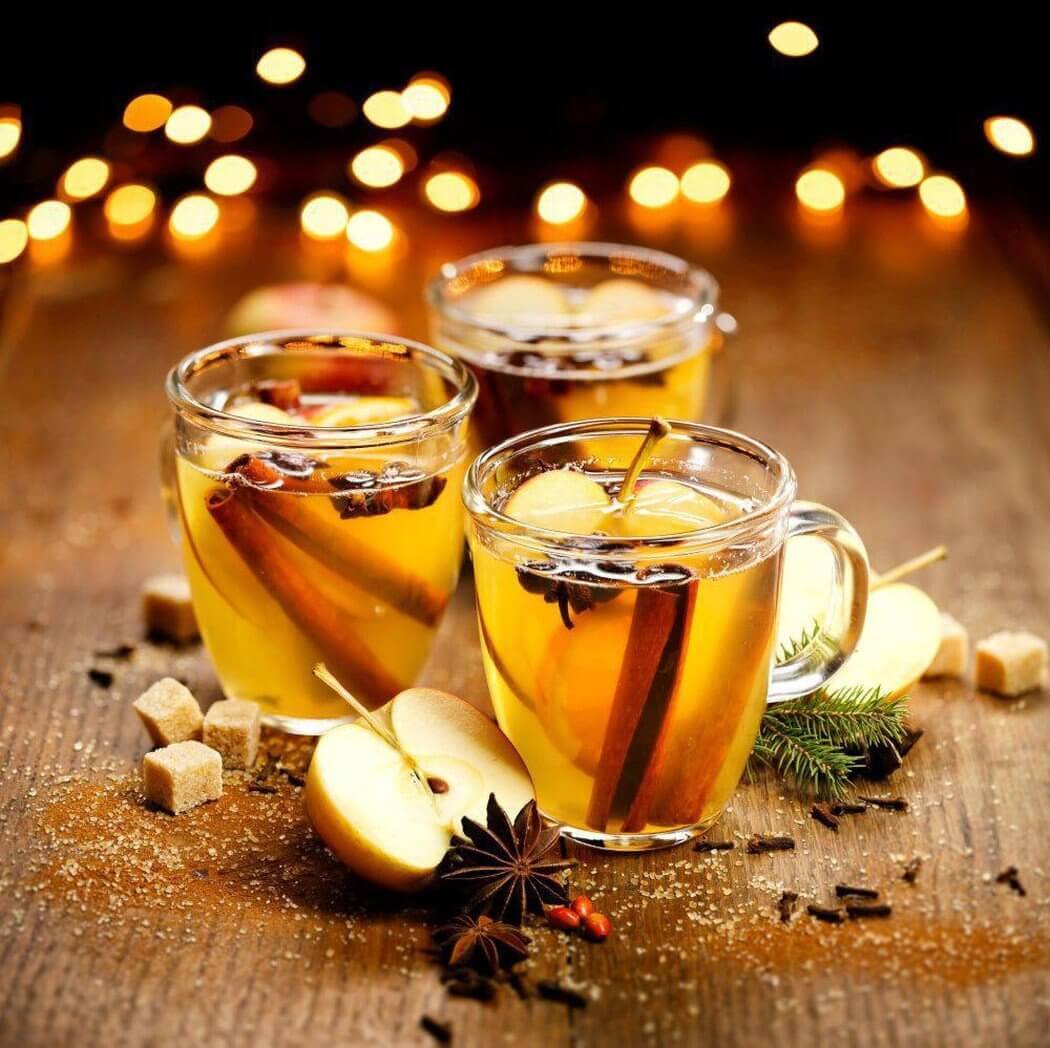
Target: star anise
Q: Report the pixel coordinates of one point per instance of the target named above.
(509, 866)
(570, 588)
(481, 943)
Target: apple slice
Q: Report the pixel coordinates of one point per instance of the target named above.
(363, 411)
(620, 300)
(520, 297)
(560, 500)
(219, 449)
(901, 635)
(387, 798)
(668, 507)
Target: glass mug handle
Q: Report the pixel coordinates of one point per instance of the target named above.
(838, 634)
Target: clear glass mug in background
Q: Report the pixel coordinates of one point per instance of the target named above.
(631, 673)
(563, 332)
(307, 538)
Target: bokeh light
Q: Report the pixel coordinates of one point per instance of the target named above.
(899, 167)
(706, 182)
(377, 166)
(820, 190)
(193, 217)
(48, 220)
(324, 216)
(332, 109)
(84, 178)
(230, 175)
(280, 66)
(10, 130)
(452, 191)
(793, 39)
(426, 99)
(230, 123)
(147, 113)
(654, 187)
(560, 203)
(1009, 135)
(370, 230)
(386, 109)
(13, 239)
(187, 125)
(942, 196)
(130, 204)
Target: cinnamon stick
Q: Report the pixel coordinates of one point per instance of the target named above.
(326, 539)
(323, 621)
(648, 677)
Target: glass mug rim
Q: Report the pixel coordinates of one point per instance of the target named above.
(421, 425)
(750, 525)
(702, 292)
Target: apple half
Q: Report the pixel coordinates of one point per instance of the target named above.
(389, 812)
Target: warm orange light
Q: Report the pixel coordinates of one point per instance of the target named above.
(386, 109)
(561, 202)
(706, 182)
(48, 220)
(452, 191)
(370, 230)
(230, 123)
(281, 66)
(1009, 135)
(129, 205)
(10, 132)
(146, 113)
(230, 175)
(377, 166)
(654, 187)
(193, 217)
(426, 99)
(820, 190)
(332, 109)
(942, 196)
(84, 178)
(899, 167)
(187, 125)
(324, 216)
(13, 239)
(793, 39)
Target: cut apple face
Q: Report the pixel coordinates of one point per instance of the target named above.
(520, 297)
(667, 507)
(621, 300)
(388, 813)
(362, 411)
(560, 500)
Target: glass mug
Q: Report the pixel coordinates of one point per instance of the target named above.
(563, 332)
(631, 673)
(316, 479)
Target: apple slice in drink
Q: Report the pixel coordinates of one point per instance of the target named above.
(361, 411)
(520, 297)
(388, 801)
(621, 300)
(560, 500)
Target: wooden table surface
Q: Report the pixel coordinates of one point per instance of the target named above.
(903, 370)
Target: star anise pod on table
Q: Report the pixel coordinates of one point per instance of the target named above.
(508, 865)
(481, 943)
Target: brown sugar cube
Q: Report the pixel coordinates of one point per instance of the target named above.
(954, 652)
(169, 712)
(232, 728)
(167, 608)
(182, 775)
(1010, 663)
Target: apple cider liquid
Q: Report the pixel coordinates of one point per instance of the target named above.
(633, 693)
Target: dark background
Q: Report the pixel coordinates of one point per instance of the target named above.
(539, 92)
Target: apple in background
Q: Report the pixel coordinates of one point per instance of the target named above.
(313, 307)
(366, 799)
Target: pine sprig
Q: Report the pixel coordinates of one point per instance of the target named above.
(816, 766)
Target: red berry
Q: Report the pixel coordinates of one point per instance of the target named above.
(563, 918)
(597, 927)
(583, 906)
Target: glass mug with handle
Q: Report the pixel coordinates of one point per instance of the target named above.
(315, 479)
(628, 636)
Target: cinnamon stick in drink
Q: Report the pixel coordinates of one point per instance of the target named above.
(323, 621)
(648, 677)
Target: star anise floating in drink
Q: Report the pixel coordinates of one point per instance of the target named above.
(509, 866)
(372, 493)
(481, 943)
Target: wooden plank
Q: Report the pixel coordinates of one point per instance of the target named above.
(905, 376)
